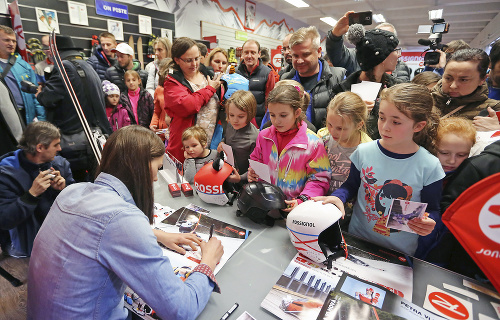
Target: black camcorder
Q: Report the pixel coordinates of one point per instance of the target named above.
(28, 87)
(431, 56)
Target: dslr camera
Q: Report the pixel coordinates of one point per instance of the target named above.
(431, 56)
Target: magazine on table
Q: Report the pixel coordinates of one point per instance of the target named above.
(185, 220)
(354, 298)
(301, 291)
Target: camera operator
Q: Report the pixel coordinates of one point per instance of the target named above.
(445, 54)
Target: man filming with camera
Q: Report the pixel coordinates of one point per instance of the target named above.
(14, 70)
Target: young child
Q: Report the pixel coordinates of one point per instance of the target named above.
(345, 121)
(240, 134)
(161, 121)
(137, 100)
(455, 138)
(117, 115)
(296, 157)
(395, 167)
(194, 140)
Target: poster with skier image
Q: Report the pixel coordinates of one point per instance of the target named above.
(402, 211)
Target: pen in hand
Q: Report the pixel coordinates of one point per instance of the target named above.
(211, 231)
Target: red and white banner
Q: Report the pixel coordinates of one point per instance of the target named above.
(413, 59)
(17, 25)
(474, 219)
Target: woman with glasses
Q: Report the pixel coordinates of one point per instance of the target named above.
(190, 94)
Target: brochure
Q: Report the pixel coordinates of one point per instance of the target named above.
(355, 299)
(402, 211)
(302, 289)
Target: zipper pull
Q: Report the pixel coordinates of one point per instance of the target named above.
(448, 102)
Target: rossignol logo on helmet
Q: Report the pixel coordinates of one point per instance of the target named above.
(304, 223)
(208, 189)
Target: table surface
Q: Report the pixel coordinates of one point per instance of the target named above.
(252, 271)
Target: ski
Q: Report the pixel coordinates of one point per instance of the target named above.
(96, 149)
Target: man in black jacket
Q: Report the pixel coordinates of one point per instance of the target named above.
(103, 56)
(312, 72)
(125, 61)
(55, 98)
(261, 79)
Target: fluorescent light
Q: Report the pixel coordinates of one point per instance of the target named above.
(435, 14)
(424, 28)
(329, 20)
(298, 3)
(378, 18)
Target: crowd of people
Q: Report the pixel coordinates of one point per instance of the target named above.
(416, 141)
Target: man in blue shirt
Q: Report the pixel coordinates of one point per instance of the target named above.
(20, 70)
(30, 180)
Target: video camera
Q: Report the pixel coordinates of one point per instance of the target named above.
(434, 42)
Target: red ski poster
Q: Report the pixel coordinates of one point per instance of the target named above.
(17, 25)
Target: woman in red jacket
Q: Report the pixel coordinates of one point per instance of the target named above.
(186, 91)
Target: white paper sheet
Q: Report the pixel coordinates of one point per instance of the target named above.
(262, 170)
(229, 153)
(367, 90)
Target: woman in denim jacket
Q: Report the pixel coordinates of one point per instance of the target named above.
(97, 237)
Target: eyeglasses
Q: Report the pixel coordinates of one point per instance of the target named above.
(398, 50)
(190, 60)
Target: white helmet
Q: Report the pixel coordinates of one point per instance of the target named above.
(314, 228)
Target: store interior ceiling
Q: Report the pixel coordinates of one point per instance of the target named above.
(467, 18)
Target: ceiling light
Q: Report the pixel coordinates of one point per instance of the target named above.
(435, 14)
(378, 18)
(329, 20)
(424, 28)
(298, 3)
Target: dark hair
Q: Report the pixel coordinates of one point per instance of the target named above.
(415, 101)
(38, 132)
(127, 156)
(426, 78)
(179, 47)
(251, 41)
(473, 54)
(495, 53)
(264, 55)
(291, 93)
(203, 48)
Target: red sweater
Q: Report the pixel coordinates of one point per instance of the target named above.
(182, 105)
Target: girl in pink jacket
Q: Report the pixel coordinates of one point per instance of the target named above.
(296, 156)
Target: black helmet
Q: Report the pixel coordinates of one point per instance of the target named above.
(257, 199)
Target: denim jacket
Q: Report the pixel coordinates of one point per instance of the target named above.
(93, 241)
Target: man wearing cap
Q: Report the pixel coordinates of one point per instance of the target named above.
(60, 111)
(125, 61)
(103, 56)
(344, 57)
(27, 105)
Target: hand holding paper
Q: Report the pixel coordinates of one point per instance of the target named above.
(262, 170)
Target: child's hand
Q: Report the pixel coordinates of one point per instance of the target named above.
(333, 200)
(369, 105)
(219, 147)
(186, 155)
(422, 226)
(167, 120)
(153, 128)
(291, 204)
(252, 176)
(234, 177)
